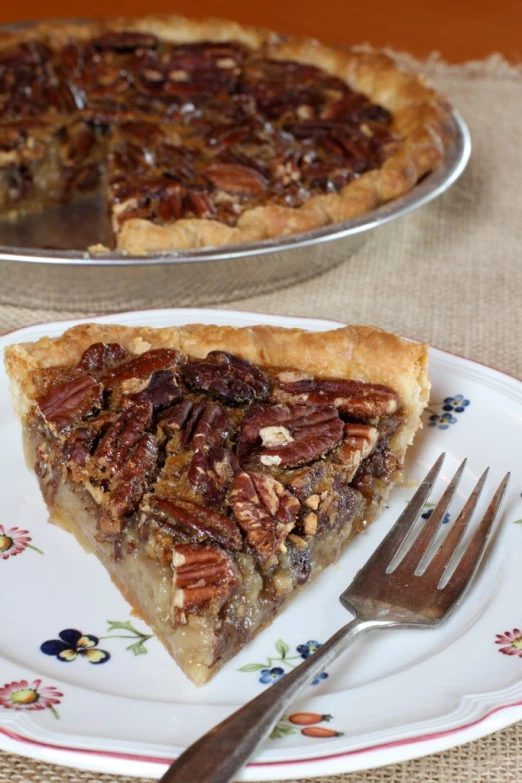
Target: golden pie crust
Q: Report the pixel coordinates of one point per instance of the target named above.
(421, 120)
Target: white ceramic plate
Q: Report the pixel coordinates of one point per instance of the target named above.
(393, 696)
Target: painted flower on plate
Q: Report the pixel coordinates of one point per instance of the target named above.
(13, 541)
(457, 403)
(511, 641)
(271, 675)
(73, 643)
(23, 695)
(306, 650)
(442, 422)
(427, 514)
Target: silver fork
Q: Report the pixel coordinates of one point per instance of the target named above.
(388, 592)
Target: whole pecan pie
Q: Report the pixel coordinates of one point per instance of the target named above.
(207, 133)
(215, 471)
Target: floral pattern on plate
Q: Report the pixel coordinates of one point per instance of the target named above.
(14, 541)
(449, 406)
(23, 695)
(511, 642)
(73, 643)
(305, 723)
(270, 673)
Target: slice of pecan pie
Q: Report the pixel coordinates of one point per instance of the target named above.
(207, 133)
(214, 471)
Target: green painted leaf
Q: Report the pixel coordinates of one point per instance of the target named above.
(116, 625)
(138, 648)
(518, 521)
(282, 648)
(252, 667)
(280, 731)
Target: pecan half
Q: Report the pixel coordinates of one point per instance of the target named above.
(68, 403)
(102, 356)
(174, 419)
(353, 398)
(288, 436)
(231, 379)
(195, 521)
(208, 425)
(359, 440)
(142, 366)
(265, 511)
(211, 474)
(236, 179)
(128, 487)
(203, 576)
(122, 436)
(161, 391)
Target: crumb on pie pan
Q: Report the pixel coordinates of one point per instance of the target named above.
(39, 268)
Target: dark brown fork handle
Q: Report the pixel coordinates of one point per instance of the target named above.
(219, 755)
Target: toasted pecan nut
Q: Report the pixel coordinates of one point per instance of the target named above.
(198, 522)
(236, 179)
(207, 426)
(68, 403)
(203, 576)
(127, 489)
(359, 440)
(266, 512)
(211, 474)
(142, 366)
(162, 390)
(288, 436)
(102, 356)
(353, 398)
(174, 419)
(227, 377)
(121, 437)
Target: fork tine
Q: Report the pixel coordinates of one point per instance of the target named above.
(438, 564)
(391, 543)
(472, 556)
(422, 543)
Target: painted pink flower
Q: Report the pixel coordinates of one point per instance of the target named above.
(13, 541)
(512, 641)
(30, 696)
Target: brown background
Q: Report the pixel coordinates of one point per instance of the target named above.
(459, 29)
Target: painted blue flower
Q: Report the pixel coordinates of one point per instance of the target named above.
(306, 650)
(271, 675)
(73, 643)
(442, 422)
(319, 678)
(427, 515)
(457, 404)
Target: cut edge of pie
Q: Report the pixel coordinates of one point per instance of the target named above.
(421, 121)
(208, 593)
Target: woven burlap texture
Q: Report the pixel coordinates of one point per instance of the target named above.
(450, 274)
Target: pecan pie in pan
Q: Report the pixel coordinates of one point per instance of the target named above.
(208, 133)
(215, 471)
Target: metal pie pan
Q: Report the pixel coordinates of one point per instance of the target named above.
(40, 267)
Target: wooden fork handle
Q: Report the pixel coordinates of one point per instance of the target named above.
(219, 755)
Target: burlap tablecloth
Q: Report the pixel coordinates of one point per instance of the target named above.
(450, 274)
